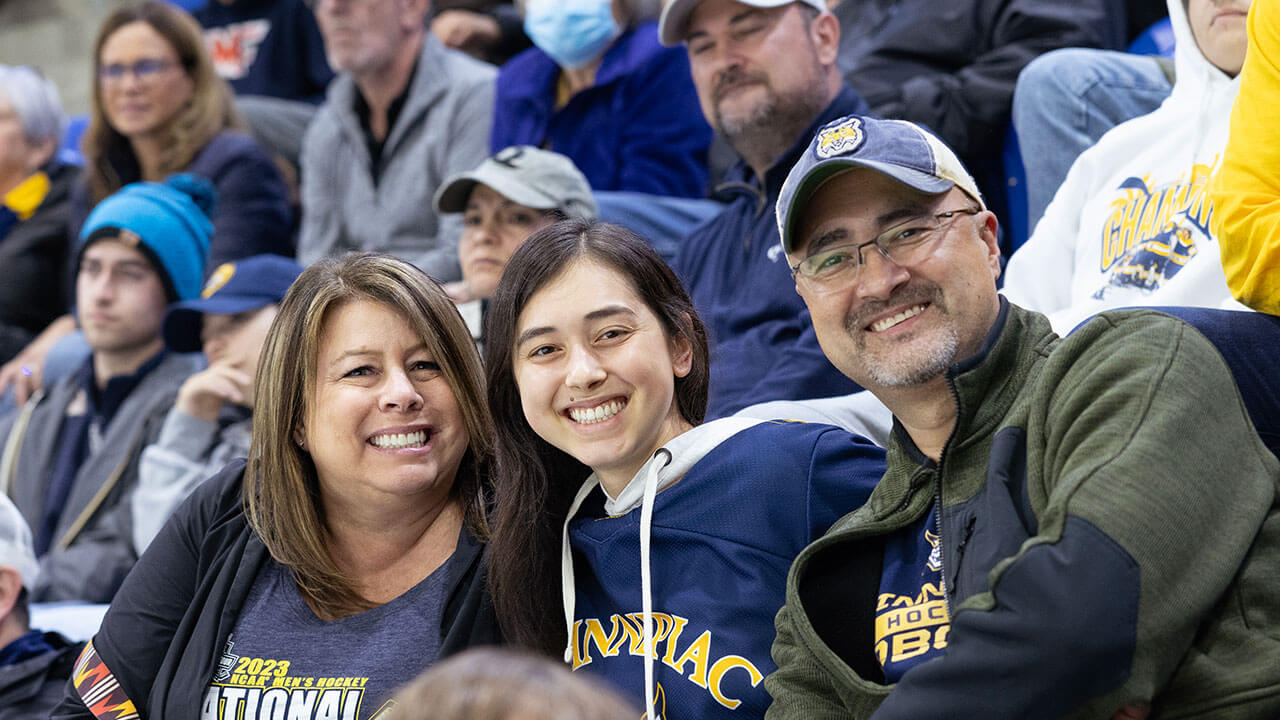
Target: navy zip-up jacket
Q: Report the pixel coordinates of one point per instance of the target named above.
(762, 342)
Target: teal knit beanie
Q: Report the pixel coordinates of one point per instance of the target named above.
(170, 222)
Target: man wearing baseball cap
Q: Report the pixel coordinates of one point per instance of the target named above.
(34, 665)
(766, 76)
(211, 420)
(70, 455)
(1068, 527)
(504, 200)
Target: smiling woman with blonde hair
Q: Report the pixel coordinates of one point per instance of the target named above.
(347, 553)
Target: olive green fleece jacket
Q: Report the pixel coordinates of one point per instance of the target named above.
(1110, 537)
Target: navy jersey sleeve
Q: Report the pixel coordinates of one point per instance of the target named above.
(843, 470)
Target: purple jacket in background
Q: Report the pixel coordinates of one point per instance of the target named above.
(639, 128)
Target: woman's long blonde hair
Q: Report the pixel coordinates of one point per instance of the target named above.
(282, 492)
(209, 112)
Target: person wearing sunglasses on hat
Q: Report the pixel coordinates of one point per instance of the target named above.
(212, 417)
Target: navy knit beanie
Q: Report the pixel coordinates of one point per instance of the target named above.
(169, 224)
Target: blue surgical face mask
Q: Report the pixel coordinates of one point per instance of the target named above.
(572, 32)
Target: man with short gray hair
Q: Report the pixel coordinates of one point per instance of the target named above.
(403, 114)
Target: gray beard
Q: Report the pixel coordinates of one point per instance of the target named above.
(900, 370)
(917, 370)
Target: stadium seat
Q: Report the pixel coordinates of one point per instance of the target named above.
(1155, 40)
(1016, 230)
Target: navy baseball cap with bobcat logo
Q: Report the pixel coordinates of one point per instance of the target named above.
(902, 150)
(232, 288)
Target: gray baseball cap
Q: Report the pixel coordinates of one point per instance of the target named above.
(527, 175)
(675, 16)
(902, 150)
(16, 548)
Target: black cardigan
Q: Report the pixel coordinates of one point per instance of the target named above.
(164, 630)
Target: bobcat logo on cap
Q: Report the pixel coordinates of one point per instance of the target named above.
(844, 137)
(218, 279)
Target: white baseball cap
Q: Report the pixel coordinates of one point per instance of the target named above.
(16, 549)
(675, 16)
(530, 176)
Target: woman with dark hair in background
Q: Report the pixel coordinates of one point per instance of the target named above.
(636, 542)
(345, 556)
(159, 108)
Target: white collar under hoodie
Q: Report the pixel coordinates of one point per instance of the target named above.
(667, 465)
(1130, 224)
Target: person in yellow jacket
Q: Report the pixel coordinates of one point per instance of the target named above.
(1246, 188)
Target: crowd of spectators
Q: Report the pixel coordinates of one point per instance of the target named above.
(327, 361)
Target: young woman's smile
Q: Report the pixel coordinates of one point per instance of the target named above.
(596, 371)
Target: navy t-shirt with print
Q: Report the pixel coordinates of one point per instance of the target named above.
(911, 610)
(282, 661)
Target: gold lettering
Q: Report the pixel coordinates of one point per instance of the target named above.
(699, 652)
(1146, 220)
(1133, 210)
(910, 644)
(661, 626)
(724, 665)
(595, 633)
(1198, 207)
(1111, 237)
(1167, 207)
(925, 614)
(673, 639)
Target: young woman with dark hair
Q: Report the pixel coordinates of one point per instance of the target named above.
(670, 539)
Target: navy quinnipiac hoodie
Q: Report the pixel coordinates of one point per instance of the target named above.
(739, 500)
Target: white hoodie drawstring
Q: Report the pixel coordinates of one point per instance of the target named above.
(646, 581)
(677, 457)
(568, 594)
